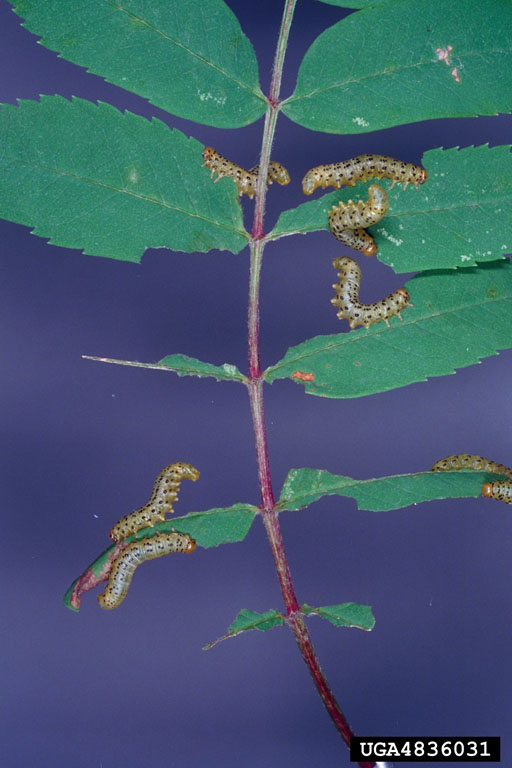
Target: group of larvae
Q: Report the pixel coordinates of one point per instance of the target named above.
(165, 493)
(501, 490)
(348, 221)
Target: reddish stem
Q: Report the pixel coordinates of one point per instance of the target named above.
(255, 387)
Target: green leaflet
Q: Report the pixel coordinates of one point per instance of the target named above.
(209, 528)
(461, 215)
(304, 486)
(87, 176)
(385, 66)
(183, 365)
(459, 316)
(247, 620)
(344, 615)
(189, 57)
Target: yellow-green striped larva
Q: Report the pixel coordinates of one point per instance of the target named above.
(246, 181)
(470, 461)
(133, 555)
(348, 220)
(358, 239)
(347, 298)
(165, 493)
(360, 168)
(501, 490)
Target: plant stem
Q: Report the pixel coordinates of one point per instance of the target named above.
(255, 386)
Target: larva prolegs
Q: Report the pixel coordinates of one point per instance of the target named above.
(246, 181)
(347, 298)
(137, 552)
(361, 168)
(164, 494)
(501, 490)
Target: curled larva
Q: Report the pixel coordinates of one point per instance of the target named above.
(360, 168)
(359, 239)
(133, 555)
(361, 214)
(470, 461)
(500, 490)
(165, 492)
(246, 181)
(347, 298)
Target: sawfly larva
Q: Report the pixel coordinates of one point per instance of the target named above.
(133, 555)
(347, 298)
(246, 181)
(358, 239)
(470, 461)
(165, 492)
(500, 490)
(361, 168)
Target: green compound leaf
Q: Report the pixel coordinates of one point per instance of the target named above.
(210, 528)
(87, 176)
(459, 316)
(406, 61)
(189, 57)
(247, 620)
(304, 486)
(344, 615)
(183, 365)
(462, 214)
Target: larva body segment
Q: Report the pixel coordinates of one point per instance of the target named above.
(361, 168)
(164, 494)
(246, 181)
(347, 298)
(358, 239)
(470, 461)
(133, 555)
(500, 490)
(276, 172)
(361, 214)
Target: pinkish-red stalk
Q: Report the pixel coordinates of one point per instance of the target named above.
(255, 386)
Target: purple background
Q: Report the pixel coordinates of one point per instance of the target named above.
(82, 443)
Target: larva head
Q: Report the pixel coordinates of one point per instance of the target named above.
(183, 469)
(370, 249)
(208, 154)
(190, 546)
(487, 490)
(278, 172)
(311, 181)
(402, 296)
(422, 176)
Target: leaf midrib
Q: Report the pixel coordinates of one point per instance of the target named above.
(425, 212)
(113, 188)
(378, 332)
(179, 44)
(332, 489)
(340, 84)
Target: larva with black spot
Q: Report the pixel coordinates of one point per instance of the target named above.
(358, 239)
(246, 181)
(347, 298)
(165, 493)
(361, 168)
(500, 490)
(347, 220)
(276, 172)
(133, 555)
(470, 461)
